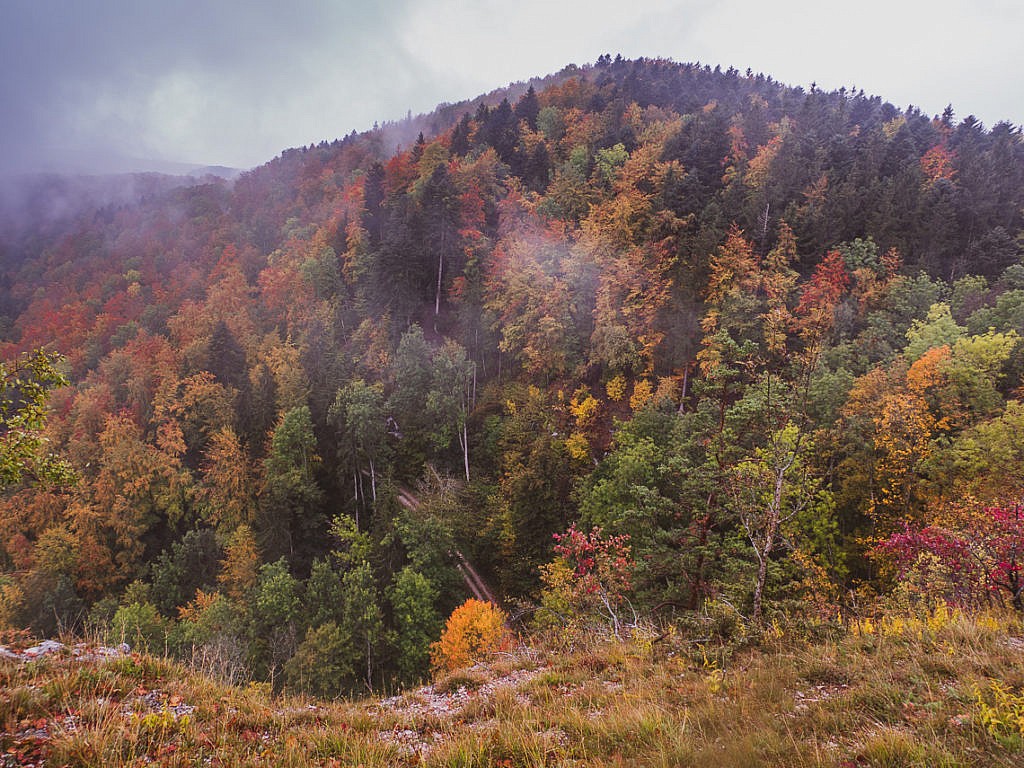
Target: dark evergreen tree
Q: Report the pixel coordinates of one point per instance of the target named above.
(460, 136)
(227, 360)
(527, 108)
(373, 201)
(501, 131)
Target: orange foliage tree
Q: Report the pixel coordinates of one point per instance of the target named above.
(475, 629)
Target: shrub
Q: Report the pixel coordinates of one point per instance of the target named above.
(324, 663)
(140, 625)
(1001, 712)
(474, 629)
(209, 632)
(588, 580)
(12, 598)
(977, 558)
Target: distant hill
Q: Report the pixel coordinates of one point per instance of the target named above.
(44, 203)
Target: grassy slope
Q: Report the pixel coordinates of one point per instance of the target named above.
(898, 695)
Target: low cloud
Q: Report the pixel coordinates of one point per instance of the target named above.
(234, 82)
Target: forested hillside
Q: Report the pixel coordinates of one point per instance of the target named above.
(766, 340)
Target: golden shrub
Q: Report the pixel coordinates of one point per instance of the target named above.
(475, 629)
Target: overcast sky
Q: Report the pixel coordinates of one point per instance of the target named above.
(101, 84)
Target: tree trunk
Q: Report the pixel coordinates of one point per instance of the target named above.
(373, 482)
(697, 578)
(771, 532)
(464, 441)
(440, 269)
(762, 576)
(369, 664)
(437, 299)
(355, 487)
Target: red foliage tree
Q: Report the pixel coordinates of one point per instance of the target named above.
(600, 564)
(820, 296)
(980, 560)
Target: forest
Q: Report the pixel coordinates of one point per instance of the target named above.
(642, 340)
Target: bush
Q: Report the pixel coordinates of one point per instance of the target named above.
(324, 663)
(12, 599)
(587, 583)
(474, 630)
(141, 626)
(209, 633)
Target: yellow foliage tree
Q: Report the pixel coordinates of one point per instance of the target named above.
(240, 567)
(642, 394)
(616, 388)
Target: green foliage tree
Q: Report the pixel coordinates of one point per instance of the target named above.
(451, 398)
(275, 616)
(191, 563)
(770, 488)
(290, 500)
(936, 329)
(426, 532)
(608, 161)
(987, 461)
(360, 411)
(141, 626)
(417, 622)
(410, 375)
(362, 616)
(975, 371)
(25, 385)
(46, 603)
(322, 599)
(532, 500)
(363, 619)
